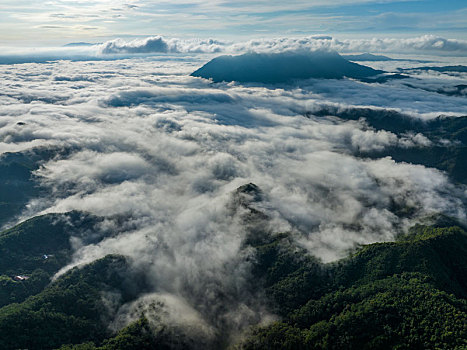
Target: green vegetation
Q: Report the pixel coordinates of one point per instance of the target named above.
(18, 184)
(451, 158)
(38, 248)
(409, 294)
(139, 335)
(399, 312)
(70, 310)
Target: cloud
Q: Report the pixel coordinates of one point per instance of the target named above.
(149, 45)
(166, 95)
(426, 44)
(422, 44)
(159, 44)
(454, 49)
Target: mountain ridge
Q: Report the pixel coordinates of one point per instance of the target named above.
(282, 67)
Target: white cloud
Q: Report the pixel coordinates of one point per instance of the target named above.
(426, 44)
(421, 44)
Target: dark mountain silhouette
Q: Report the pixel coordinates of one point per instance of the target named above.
(80, 43)
(368, 57)
(282, 67)
(444, 69)
(377, 58)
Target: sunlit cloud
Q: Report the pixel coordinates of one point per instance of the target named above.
(227, 18)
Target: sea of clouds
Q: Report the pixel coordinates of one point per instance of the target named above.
(428, 44)
(147, 142)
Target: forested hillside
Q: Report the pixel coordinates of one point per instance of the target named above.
(408, 294)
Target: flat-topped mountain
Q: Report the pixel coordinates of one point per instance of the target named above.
(282, 67)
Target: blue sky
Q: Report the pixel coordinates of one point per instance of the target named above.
(71, 20)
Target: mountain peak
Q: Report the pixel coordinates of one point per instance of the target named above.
(282, 67)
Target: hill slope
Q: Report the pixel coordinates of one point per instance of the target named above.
(401, 295)
(282, 67)
(410, 293)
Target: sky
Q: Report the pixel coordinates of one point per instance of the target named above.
(35, 22)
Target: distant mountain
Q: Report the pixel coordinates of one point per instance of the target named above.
(444, 69)
(282, 67)
(376, 58)
(81, 43)
(367, 57)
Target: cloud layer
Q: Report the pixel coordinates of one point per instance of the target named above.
(438, 50)
(426, 44)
